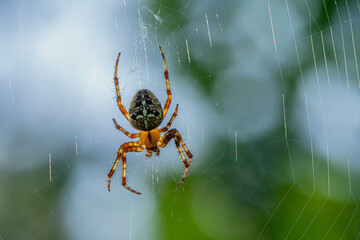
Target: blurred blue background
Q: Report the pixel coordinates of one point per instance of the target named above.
(269, 105)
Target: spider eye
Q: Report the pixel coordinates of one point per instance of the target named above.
(141, 95)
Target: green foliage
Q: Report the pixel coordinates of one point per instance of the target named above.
(29, 202)
(172, 12)
(313, 216)
(255, 197)
(177, 214)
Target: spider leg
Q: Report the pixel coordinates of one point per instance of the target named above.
(164, 129)
(148, 153)
(168, 100)
(130, 135)
(129, 149)
(118, 99)
(121, 149)
(173, 133)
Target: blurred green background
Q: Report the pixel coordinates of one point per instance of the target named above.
(269, 104)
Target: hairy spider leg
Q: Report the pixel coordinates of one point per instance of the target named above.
(164, 129)
(129, 149)
(168, 100)
(118, 99)
(121, 149)
(173, 133)
(130, 135)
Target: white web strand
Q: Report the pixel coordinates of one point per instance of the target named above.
(131, 221)
(76, 147)
(328, 168)
(343, 46)
(222, 154)
(275, 48)
(350, 197)
(305, 95)
(236, 147)
(318, 85)
(143, 38)
(11, 92)
(308, 121)
(325, 60)
(116, 24)
(287, 142)
(333, 43)
(208, 29)
(292, 171)
(324, 125)
(353, 42)
(187, 50)
(50, 175)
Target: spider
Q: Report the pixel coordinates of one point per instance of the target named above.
(146, 114)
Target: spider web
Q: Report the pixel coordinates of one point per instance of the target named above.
(268, 95)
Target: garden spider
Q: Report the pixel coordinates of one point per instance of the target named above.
(146, 114)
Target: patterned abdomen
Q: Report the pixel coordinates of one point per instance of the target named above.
(145, 111)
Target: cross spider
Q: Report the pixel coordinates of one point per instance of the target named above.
(146, 114)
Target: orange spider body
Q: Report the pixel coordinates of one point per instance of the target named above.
(146, 114)
(150, 139)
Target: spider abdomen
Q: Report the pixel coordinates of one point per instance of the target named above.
(145, 111)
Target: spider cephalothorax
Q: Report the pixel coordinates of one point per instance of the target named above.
(146, 114)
